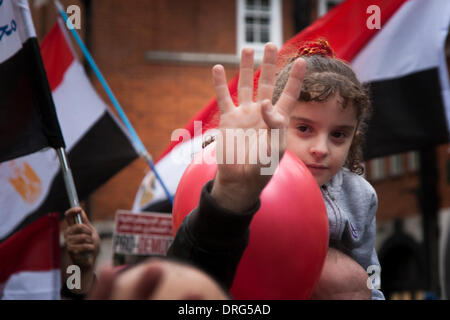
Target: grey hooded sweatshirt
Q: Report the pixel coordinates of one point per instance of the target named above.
(351, 204)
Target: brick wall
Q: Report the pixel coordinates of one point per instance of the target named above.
(160, 97)
(157, 97)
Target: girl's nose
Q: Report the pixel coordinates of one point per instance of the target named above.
(319, 148)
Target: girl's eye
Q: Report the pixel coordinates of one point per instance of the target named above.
(303, 128)
(338, 135)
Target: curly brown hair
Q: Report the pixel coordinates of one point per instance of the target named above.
(324, 77)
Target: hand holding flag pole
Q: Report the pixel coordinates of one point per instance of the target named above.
(68, 181)
(143, 151)
(39, 125)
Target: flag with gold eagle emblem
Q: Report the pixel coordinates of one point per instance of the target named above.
(31, 185)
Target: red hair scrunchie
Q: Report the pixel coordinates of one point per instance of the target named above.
(319, 47)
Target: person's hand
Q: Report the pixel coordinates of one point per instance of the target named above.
(156, 279)
(238, 185)
(82, 240)
(342, 278)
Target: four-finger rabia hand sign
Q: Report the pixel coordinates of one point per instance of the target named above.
(252, 136)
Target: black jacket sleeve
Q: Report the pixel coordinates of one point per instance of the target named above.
(213, 238)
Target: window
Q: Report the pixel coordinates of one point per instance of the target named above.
(377, 171)
(413, 161)
(259, 22)
(396, 165)
(326, 5)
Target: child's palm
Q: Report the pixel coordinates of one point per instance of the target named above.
(251, 116)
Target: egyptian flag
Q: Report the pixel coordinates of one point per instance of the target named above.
(30, 262)
(403, 62)
(97, 144)
(28, 120)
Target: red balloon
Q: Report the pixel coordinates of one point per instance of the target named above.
(288, 235)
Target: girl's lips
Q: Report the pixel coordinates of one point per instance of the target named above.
(317, 170)
(316, 166)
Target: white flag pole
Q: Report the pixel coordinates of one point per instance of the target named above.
(68, 181)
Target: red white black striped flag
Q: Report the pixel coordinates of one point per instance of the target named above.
(32, 185)
(98, 145)
(403, 61)
(28, 120)
(30, 262)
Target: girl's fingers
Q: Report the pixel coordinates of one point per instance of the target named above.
(84, 217)
(292, 89)
(245, 85)
(71, 214)
(78, 229)
(273, 119)
(224, 101)
(81, 248)
(268, 70)
(79, 239)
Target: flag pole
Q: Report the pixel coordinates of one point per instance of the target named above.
(68, 180)
(142, 150)
(70, 187)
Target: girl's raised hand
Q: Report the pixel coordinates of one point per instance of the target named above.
(253, 135)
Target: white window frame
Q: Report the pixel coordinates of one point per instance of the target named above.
(275, 29)
(396, 165)
(322, 6)
(413, 161)
(377, 169)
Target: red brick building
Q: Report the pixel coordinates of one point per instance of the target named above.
(156, 56)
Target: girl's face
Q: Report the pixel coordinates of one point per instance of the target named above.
(320, 134)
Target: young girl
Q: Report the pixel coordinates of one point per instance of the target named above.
(320, 109)
(326, 132)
